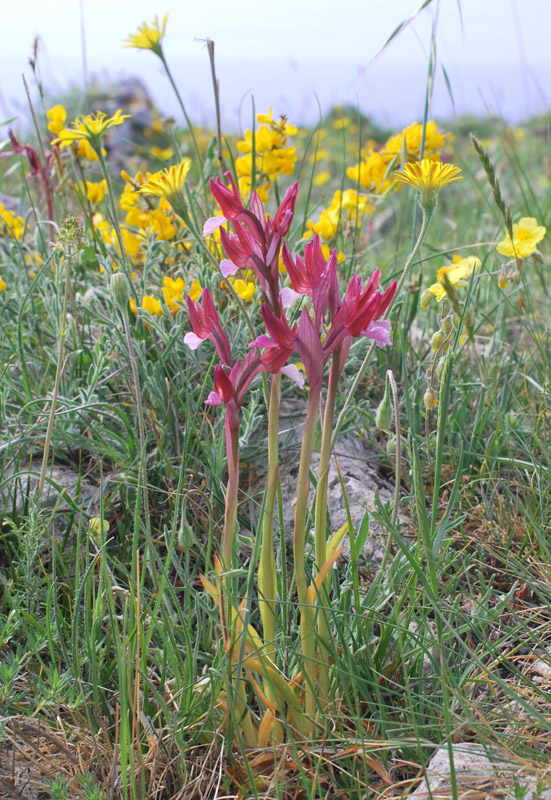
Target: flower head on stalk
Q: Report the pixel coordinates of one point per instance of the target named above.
(169, 183)
(90, 128)
(312, 276)
(428, 177)
(206, 325)
(149, 37)
(359, 314)
(256, 240)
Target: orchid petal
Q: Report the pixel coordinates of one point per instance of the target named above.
(380, 332)
(292, 372)
(227, 267)
(193, 341)
(262, 341)
(288, 296)
(213, 400)
(212, 224)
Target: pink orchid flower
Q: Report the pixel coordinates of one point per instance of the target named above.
(206, 325)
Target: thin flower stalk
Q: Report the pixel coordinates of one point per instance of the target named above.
(426, 219)
(307, 616)
(320, 510)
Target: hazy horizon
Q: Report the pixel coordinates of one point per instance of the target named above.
(292, 60)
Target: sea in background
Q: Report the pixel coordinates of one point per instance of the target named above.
(390, 94)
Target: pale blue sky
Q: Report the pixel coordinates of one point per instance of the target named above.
(290, 51)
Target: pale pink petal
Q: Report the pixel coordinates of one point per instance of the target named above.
(212, 224)
(380, 332)
(227, 267)
(192, 340)
(262, 341)
(213, 399)
(288, 296)
(292, 372)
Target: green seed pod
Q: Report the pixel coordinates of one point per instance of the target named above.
(383, 417)
(120, 290)
(447, 325)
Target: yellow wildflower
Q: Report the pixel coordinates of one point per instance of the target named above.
(95, 191)
(244, 289)
(90, 128)
(526, 236)
(3, 285)
(86, 151)
(195, 290)
(410, 140)
(173, 293)
(457, 275)
(10, 224)
(322, 178)
(149, 37)
(346, 208)
(163, 153)
(169, 184)
(272, 156)
(373, 173)
(57, 116)
(428, 177)
(152, 305)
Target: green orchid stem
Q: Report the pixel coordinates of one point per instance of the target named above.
(57, 379)
(307, 617)
(114, 221)
(427, 216)
(267, 580)
(232, 489)
(320, 514)
(188, 123)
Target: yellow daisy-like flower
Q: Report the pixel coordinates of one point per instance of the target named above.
(526, 236)
(457, 275)
(90, 128)
(169, 183)
(149, 37)
(427, 175)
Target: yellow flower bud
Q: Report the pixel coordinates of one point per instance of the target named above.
(426, 298)
(437, 341)
(430, 399)
(502, 281)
